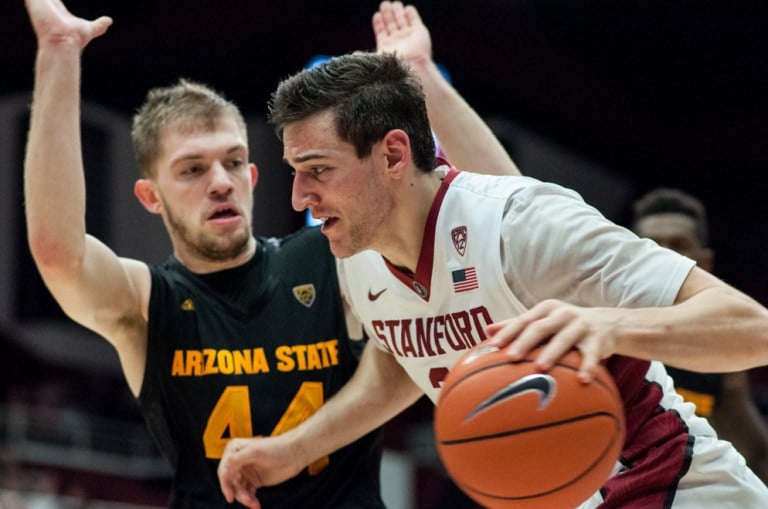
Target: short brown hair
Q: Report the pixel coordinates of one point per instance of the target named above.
(368, 93)
(193, 105)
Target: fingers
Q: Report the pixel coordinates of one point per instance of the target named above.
(574, 334)
(226, 479)
(551, 324)
(591, 357)
(507, 333)
(236, 487)
(379, 27)
(382, 20)
(397, 20)
(562, 327)
(411, 16)
(231, 480)
(393, 17)
(244, 493)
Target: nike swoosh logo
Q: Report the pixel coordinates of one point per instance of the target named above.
(542, 383)
(373, 296)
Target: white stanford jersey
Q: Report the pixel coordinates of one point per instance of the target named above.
(427, 321)
(494, 245)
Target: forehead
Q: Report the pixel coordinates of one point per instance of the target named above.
(313, 137)
(183, 138)
(666, 225)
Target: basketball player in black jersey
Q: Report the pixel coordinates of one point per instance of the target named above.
(233, 336)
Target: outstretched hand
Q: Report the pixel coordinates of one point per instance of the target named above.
(399, 29)
(54, 25)
(563, 326)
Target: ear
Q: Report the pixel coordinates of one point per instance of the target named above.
(144, 189)
(397, 149)
(706, 259)
(254, 175)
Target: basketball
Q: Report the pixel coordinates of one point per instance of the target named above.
(511, 437)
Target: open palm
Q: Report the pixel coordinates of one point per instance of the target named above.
(399, 30)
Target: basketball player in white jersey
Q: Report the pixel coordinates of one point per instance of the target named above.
(432, 260)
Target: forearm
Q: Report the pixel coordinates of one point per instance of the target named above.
(465, 138)
(378, 391)
(54, 188)
(717, 330)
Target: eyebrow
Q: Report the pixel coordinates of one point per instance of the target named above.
(194, 156)
(304, 158)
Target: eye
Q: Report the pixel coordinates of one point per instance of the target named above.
(318, 170)
(192, 170)
(236, 163)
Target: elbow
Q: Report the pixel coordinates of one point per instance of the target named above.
(756, 316)
(762, 327)
(51, 254)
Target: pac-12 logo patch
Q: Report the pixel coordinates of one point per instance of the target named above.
(305, 294)
(459, 237)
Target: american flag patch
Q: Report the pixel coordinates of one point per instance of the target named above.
(464, 280)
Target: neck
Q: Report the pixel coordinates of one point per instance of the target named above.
(201, 265)
(400, 242)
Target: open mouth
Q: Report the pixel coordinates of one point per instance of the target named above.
(224, 213)
(328, 222)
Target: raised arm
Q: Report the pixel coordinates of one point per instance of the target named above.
(378, 391)
(92, 285)
(464, 137)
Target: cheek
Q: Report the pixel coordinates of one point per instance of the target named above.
(185, 204)
(360, 188)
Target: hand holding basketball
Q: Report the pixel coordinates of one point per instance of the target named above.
(563, 326)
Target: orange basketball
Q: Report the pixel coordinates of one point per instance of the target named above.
(514, 438)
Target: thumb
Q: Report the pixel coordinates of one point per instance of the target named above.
(100, 25)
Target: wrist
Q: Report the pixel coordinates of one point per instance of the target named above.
(61, 40)
(421, 64)
(299, 447)
(58, 47)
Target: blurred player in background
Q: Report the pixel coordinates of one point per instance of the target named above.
(678, 221)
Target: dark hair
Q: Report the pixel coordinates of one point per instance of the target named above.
(672, 201)
(370, 94)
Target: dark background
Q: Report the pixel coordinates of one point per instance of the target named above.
(653, 92)
(662, 92)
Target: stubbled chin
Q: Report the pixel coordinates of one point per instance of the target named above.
(220, 248)
(344, 249)
(339, 251)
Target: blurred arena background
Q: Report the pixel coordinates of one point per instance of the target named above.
(608, 97)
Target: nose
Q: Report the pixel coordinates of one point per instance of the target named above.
(303, 194)
(221, 181)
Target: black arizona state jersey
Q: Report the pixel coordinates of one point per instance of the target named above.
(253, 351)
(702, 389)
